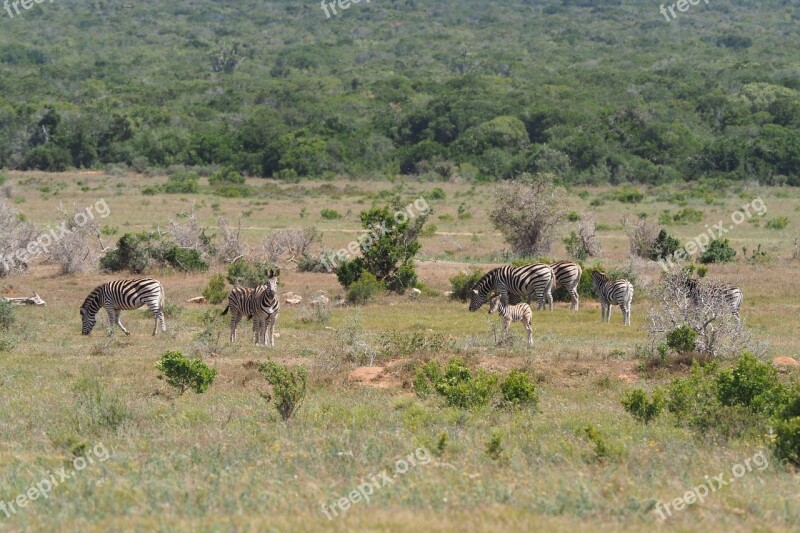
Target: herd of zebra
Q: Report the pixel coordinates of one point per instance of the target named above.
(504, 288)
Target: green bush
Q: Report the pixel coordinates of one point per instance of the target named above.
(425, 378)
(7, 314)
(665, 246)
(215, 290)
(330, 214)
(643, 408)
(365, 288)
(182, 183)
(752, 384)
(184, 374)
(603, 449)
(518, 389)
(718, 251)
(682, 339)
(437, 194)
(288, 387)
(461, 389)
(778, 223)
(226, 176)
(248, 273)
(349, 271)
(626, 194)
(136, 252)
(787, 440)
(462, 283)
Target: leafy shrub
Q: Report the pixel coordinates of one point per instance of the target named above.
(664, 246)
(182, 183)
(288, 387)
(641, 407)
(718, 251)
(682, 339)
(349, 271)
(365, 288)
(248, 273)
(519, 389)
(626, 194)
(462, 283)
(778, 223)
(330, 214)
(752, 384)
(184, 374)
(7, 314)
(494, 448)
(425, 378)
(456, 383)
(226, 176)
(437, 194)
(787, 440)
(602, 448)
(137, 252)
(215, 290)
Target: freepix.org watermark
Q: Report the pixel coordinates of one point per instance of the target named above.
(713, 233)
(681, 5)
(699, 493)
(331, 261)
(45, 486)
(44, 241)
(343, 4)
(16, 4)
(366, 489)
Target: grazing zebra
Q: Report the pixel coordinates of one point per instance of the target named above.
(619, 292)
(121, 294)
(514, 283)
(513, 313)
(567, 275)
(261, 304)
(730, 294)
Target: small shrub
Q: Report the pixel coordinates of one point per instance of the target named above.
(426, 377)
(215, 291)
(641, 407)
(778, 223)
(288, 387)
(494, 448)
(718, 251)
(364, 289)
(626, 194)
(182, 183)
(248, 273)
(787, 440)
(226, 176)
(184, 374)
(602, 448)
(664, 246)
(330, 214)
(682, 339)
(752, 384)
(518, 389)
(462, 283)
(437, 194)
(7, 314)
(461, 389)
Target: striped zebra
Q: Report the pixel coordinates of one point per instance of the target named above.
(513, 284)
(619, 292)
(513, 313)
(568, 275)
(260, 304)
(729, 294)
(121, 294)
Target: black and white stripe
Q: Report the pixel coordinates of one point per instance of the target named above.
(115, 296)
(513, 313)
(609, 292)
(568, 275)
(260, 304)
(729, 294)
(513, 284)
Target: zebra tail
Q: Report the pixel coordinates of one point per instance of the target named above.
(225, 312)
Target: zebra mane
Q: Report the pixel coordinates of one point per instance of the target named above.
(93, 297)
(600, 274)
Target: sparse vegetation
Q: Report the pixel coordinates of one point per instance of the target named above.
(185, 374)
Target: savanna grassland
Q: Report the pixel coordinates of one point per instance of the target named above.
(224, 460)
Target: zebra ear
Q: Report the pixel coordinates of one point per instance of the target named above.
(475, 291)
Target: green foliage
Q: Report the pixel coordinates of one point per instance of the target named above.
(626, 194)
(349, 271)
(367, 286)
(460, 388)
(718, 251)
(288, 387)
(494, 447)
(603, 449)
(752, 384)
(787, 440)
(519, 389)
(185, 374)
(182, 183)
(226, 176)
(778, 223)
(575, 247)
(330, 214)
(246, 273)
(215, 290)
(665, 246)
(462, 283)
(7, 315)
(436, 194)
(682, 339)
(637, 403)
(138, 252)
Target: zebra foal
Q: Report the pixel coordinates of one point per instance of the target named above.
(123, 294)
(619, 292)
(261, 304)
(513, 313)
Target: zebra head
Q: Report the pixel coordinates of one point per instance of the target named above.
(272, 281)
(598, 279)
(481, 290)
(88, 320)
(89, 310)
(494, 304)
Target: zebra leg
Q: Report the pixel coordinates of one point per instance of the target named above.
(575, 300)
(271, 332)
(158, 314)
(530, 333)
(550, 298)
(235, 317)
(118, 315)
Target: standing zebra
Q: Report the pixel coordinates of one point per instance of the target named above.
(117, 295)
(729, 294)
(512, 284)
(261, 304)
(568, 275)
(513, 313)
(619, 292)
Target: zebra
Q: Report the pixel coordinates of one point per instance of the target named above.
(729, 294)
(619, 292)
(261, 304)
(117, 295)
(514, 283)
(568, 275)
(513, 313)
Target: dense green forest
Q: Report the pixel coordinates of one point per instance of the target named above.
(593, 91)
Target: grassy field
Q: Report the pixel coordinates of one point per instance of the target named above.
(223, 460)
